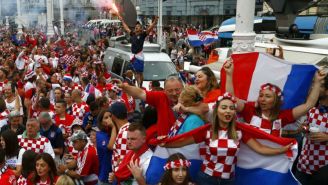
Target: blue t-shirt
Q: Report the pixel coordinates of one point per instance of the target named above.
(193, 121)
(104, 155)
(89, 118)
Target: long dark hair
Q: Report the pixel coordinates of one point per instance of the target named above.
(27, 165)
(167, 177)
(99, 121)
(52, 167)
(11, 140)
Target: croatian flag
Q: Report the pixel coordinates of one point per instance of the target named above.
(193, 38)
(251, 70)
(251, 168)
(256, 169)
(208, 37)
(155, 169)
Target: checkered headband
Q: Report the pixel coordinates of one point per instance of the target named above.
(272, 88)
(177, 164)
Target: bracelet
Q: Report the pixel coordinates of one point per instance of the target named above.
(66, 171)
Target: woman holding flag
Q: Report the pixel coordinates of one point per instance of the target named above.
(266, 114)
(222, 143)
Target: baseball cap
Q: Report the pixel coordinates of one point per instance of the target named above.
(119, 110)
(80, 134)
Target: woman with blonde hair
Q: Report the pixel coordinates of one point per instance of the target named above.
(64, 180)
(189, 97)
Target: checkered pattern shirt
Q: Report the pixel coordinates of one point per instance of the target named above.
(2, 84)
(67, 59)
(220, 155)
(66, 89)
(37, 145)
(79, 110)
(314, 154)
(120, 148)
(21, 180)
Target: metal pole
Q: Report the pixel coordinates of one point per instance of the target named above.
(50, 29)
(160, 23)
(61, 7)
(19, 17)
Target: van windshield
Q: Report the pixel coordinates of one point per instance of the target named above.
(158, 70)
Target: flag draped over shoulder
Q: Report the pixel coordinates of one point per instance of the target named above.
(251, 168)
(251, 70)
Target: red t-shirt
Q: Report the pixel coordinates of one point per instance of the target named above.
(64, 123)
(8, 178)
(165, 115)
(212, 96)
(249, 114)
(88, 165)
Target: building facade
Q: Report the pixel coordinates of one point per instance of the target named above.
(206, 13)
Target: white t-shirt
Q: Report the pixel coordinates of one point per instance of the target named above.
(12, 105)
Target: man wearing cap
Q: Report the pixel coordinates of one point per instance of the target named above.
(14, 123)
(87, 160)
(52, 132)
(119, 117)
(32, 140)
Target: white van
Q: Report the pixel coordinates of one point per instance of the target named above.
(158, 65)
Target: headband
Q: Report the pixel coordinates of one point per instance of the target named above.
(177, 164)
(272, 88)
(228, 96)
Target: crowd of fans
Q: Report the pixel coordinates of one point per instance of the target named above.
(64, 120)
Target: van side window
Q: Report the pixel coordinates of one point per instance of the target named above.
(117, 65)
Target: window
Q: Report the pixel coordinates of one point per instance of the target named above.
(117, 65)
(151, 71)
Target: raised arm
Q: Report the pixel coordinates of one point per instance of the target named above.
(152, 25)
(313, 96)
(265, 150)
(228, 67)
(125, 26)
(180, 143)
(133, 91)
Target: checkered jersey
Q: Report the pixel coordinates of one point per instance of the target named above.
(37, 145)
(120, 148)
(67, 60)
(21, 180)
(66, 89)
(221, 155)
(79, 110)
(2, 84)
(314, 154)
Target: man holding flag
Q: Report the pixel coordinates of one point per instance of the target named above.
(137, 38)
